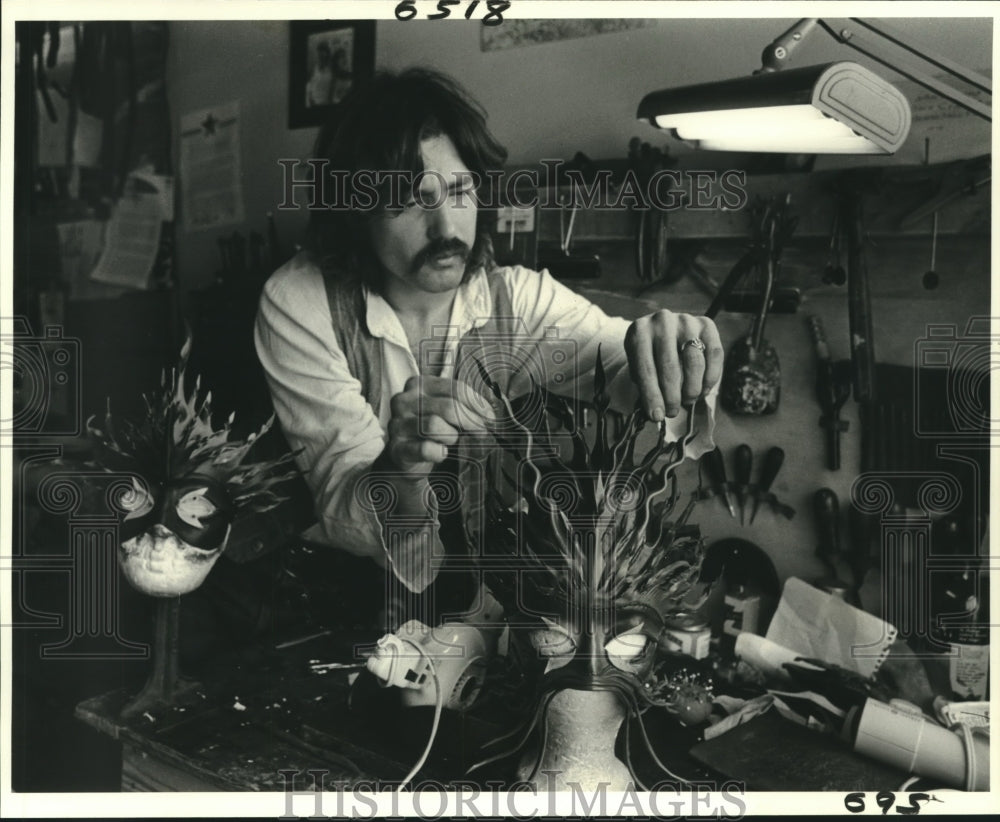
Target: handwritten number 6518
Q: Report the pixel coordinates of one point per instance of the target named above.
(407, 10)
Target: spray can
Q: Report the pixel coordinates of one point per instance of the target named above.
(687, 634)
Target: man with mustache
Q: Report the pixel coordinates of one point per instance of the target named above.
(346, 330)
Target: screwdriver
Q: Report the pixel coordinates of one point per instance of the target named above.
(324, 667)
(773, 460)
(743, 465)
(715, 467)
(826, 508)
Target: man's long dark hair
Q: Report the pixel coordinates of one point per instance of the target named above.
(379, 128)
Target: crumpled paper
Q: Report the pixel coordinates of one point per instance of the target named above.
(816, 625)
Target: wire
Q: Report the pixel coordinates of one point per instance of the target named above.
(656, 759)
(524, 730)
(970, 757)
(438, 705)
(628, 755)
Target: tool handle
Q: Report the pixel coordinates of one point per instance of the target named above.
(765, 303)
(819, 337)
(833, 444)
(773, 460)
(743, 464)
(859, 303)
(827, 510)
(715, 467)
(833, 387)
(743, 266)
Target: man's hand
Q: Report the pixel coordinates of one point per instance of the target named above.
(427, 417)
(674, 359)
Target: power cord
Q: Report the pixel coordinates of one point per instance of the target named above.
(970, 757)
(438, 705)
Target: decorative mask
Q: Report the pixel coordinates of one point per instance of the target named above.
(189, 484)
(589, 557)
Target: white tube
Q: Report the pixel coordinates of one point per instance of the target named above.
(766, 656)
(916, 745)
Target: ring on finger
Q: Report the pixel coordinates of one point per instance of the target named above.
(694, 342)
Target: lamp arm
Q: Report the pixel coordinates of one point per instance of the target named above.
(946, 64)
(778, 52)
(872, 49)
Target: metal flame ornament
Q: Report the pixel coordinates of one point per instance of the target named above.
(590, 562)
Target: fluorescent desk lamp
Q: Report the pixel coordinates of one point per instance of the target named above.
(840, 108)
(837, 108)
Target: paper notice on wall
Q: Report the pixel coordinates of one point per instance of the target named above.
(159, 184)
(132, 239)
(79, 252)
(943, 131)
(212, 193)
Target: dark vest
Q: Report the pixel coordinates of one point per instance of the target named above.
(458, 482)
(364, 352)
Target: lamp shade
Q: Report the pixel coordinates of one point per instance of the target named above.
(837, 108)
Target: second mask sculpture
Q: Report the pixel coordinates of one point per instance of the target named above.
(189, 482)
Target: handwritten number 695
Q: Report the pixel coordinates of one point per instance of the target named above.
(855, 802)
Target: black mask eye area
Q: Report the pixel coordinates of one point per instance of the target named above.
(627, 646)
(140, 500)
(196, 508)
(553, 640)
(629, 650)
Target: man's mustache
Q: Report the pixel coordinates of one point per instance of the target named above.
(440, 248)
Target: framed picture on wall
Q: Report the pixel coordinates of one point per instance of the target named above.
(327, 58)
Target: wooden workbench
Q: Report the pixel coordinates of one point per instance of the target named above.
(264, 712)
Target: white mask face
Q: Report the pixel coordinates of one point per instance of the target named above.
(160, 564)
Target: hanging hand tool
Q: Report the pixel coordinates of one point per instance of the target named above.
(773, 461)
(833, 272)
(833, 387)
(742, 468)
(858, 549)
(563, 264)
(826, 509)
(859, 299)
(715, 467)
(652, 259)
(745, 264)
(751, 381)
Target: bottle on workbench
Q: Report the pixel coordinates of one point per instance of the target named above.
(961, 609)
(969, 640)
